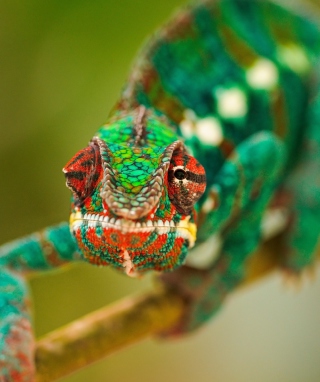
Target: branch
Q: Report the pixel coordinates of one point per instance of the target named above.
(104, 331)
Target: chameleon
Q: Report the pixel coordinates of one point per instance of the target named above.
(216, 124)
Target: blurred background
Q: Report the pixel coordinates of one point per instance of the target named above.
(62, 65)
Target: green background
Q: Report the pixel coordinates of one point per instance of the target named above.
(62, 65)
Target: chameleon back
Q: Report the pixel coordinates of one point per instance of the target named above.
(220, 71)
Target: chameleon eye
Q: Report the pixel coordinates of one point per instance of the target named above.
(186, 181)
(83, 172)
(180, 174)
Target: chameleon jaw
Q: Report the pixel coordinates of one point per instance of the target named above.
(121, 242)
(184, 228)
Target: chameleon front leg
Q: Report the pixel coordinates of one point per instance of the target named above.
(43, 250)
(246, 183)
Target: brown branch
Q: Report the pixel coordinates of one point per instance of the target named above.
(100, 333)
(104, 331)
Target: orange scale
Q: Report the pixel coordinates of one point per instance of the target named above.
(135, 241)
(88, 204)
(111, 236)
(176, 248)
(158, 243)
(91, 235)
(93, 242)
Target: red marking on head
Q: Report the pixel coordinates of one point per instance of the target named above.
(83, 172)
(186, 181)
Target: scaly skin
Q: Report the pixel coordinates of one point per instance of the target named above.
(218, 120)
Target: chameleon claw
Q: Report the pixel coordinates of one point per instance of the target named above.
(296, 280)
(292, 281)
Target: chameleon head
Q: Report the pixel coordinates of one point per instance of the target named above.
(134, 193)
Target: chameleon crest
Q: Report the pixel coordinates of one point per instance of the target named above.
(134, 190)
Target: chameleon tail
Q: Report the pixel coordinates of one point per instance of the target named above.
(16, 339)
(43, 250)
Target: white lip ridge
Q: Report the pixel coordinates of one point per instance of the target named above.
(125, 225)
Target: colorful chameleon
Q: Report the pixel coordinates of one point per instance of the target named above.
(217, 122)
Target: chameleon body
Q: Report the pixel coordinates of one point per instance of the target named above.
(218, 121)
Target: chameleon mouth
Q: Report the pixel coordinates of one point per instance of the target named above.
(184, 228)
(131, 246)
